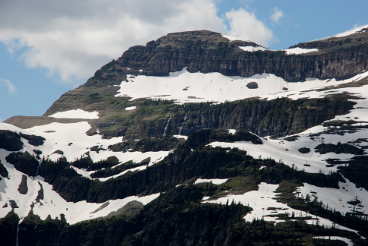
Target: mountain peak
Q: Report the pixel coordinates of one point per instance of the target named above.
(194, 33)
(180, 39)
(207, 36)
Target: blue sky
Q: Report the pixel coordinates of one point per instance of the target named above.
(40, 59)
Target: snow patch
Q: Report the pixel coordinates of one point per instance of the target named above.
(70, 138)
(348, 241)
(252, 48)
(213, 181)
(180, 137)
(52, 203)
(75, 114)
(352, 31)
(231, 131)
(264, 205)
(131, 108)
(287, 153)
(183, 87)
(71, 141)
(232, 38)
(337, 199)
(299, 51)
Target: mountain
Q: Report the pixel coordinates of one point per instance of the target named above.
(197, 138)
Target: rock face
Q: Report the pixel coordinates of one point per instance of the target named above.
(252, 85)
(266, 118)
(207, 51)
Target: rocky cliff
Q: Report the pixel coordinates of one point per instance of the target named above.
(207, 51)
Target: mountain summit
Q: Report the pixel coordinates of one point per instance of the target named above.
(197, 138)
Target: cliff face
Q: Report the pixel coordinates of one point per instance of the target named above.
(266, 118)
(206, 52)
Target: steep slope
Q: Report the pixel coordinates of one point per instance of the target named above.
(202, 140)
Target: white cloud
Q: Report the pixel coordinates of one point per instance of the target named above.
(8, 85)
(74, 38)
(246, 26)
(277, 14)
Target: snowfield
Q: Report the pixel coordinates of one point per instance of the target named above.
(287, 153)
(264, 204)
(73, 142)
(183, 87)
(70, 140)
(337, 199)
(75, 114)
(53, 204)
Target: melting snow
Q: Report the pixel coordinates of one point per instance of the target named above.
(75, 114)
(73, 141)
(337, 199)
(53, 204)
(183, 87)
(70, 138)
(264, 205)
(287, 153)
